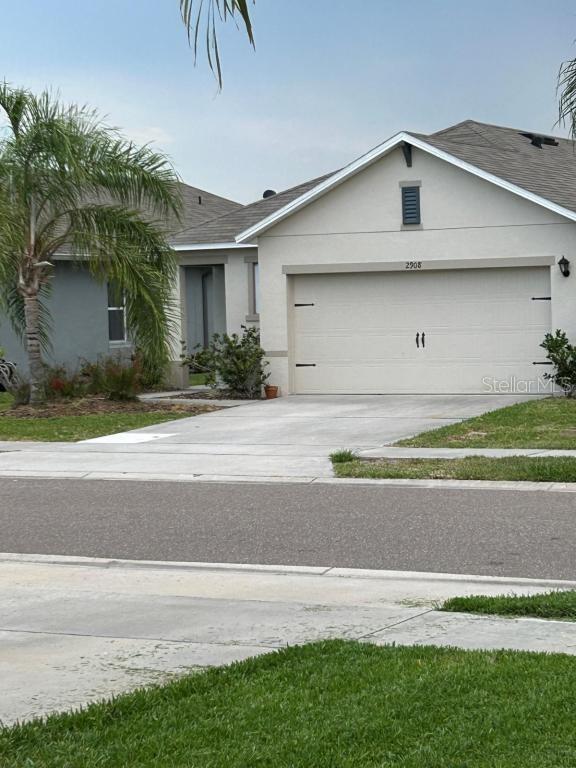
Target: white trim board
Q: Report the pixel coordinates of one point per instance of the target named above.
(212, 246)
(427, 264)
(379, 152)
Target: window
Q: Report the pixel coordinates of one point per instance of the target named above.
(116, 316)
(410, 205)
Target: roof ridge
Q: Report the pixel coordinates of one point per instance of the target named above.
(475, 123)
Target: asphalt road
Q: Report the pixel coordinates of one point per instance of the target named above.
(505, 533)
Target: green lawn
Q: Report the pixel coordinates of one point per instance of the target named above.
(81, 427)
(5, 401)
(548, 423)
(542, 470)
(72, 428)
(329, 705)
(197, 379)
(549, 605)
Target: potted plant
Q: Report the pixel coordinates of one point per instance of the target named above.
(271, 391)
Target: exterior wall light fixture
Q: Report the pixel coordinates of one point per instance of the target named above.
(564, 265)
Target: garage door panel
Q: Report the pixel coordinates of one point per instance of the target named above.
(360, 333)
(330, 315)
(516, 346)
(407, 379)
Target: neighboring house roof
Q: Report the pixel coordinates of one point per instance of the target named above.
(224, 229)
(506, 157)
(199, 206)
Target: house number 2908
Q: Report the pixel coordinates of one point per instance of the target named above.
(413, 265)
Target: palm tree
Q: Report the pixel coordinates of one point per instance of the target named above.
(195, 11)
(567, 90)
(70, 183)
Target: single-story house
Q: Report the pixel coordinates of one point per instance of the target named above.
(433, 263)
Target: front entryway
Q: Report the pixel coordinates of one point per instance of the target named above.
(439, 331)
(204, 304)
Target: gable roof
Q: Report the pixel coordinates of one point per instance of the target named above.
(225, 228)
(503, 156)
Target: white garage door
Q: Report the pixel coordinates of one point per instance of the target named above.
(457, 331)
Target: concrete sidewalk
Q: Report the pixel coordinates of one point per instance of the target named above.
(75, 630)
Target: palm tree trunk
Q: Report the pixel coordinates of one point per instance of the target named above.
(33, 347)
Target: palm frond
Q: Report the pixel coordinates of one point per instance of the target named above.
(204, 14)
(12, 307)
(14, 102)
(120, 248)
(567, 100)
(66, 178)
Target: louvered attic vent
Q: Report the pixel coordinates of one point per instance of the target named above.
(411, 205)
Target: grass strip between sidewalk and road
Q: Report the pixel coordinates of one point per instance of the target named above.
(546, 423)
(539, 469)
(557, 604)
(333, 703)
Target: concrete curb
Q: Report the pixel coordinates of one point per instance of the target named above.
(478, 485)
(278, 570)
(399, 452)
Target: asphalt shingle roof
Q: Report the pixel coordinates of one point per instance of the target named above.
(199, 206)
(225, 228)
(549, 171)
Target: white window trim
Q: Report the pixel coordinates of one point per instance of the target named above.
(253, 315)
(118, 342)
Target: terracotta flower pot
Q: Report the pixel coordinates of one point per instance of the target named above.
(271, 391)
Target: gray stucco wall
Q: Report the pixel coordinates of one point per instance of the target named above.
(79, 309)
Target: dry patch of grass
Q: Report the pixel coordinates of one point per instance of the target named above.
(541, 469)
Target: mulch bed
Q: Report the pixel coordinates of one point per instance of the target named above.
(87, 406)
(214, 394)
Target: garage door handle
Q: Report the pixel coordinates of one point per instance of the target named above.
(423, 338)
(418, 340)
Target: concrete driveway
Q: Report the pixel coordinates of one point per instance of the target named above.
(285, 439)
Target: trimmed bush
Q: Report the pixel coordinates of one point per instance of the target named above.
(562, 355)
(234, 362)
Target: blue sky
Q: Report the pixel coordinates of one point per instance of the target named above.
(328, 80)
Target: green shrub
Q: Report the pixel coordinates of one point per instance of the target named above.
(59, 382)
(115, 377)
(93, 375)
(21, 393)
(152, 374)
(234, 362)
(562, 355)
(121, 380)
